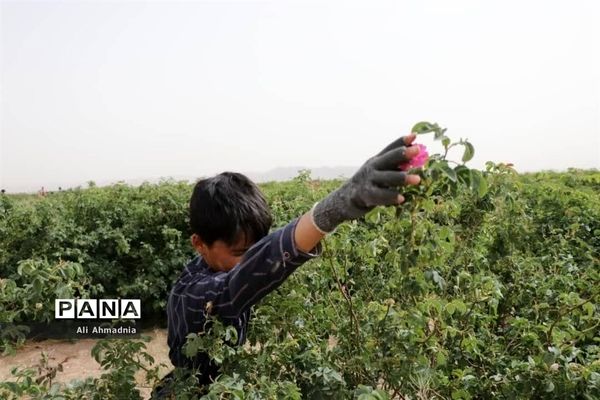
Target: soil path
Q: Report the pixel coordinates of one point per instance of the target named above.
(79, 362)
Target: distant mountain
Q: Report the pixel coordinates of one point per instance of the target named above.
(287, 173)
(275, 174)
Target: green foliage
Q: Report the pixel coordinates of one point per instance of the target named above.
(483, 284)
(132, 242)
(121, 359)
(28, 294)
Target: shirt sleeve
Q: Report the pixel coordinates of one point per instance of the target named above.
(263, 268)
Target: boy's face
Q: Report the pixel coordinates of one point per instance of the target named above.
(220, 256)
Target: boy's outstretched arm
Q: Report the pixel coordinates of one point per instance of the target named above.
(372, 185)
(272, 259)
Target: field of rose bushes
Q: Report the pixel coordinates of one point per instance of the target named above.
(484, 284)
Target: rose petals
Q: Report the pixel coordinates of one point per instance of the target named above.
(417, 161)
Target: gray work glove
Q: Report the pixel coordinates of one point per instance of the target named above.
(372, 185)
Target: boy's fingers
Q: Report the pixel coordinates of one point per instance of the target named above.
(389, 178)
(394, 178)
(403, 141)
(394, 157)
(383, 197)
(413, 180)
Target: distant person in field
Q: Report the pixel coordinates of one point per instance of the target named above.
(239, 262)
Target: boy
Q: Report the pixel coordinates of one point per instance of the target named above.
(239, 262)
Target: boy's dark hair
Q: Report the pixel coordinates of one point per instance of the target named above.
(227, 205)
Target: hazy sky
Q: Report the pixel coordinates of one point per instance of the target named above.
(98, 90)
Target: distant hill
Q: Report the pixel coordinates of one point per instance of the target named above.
(287, 173)
(275, 174)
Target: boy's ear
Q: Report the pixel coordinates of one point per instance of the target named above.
(198, 243)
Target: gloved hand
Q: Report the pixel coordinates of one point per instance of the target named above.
(372, 185)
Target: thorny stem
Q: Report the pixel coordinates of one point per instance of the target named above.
(413, 222)
(397, 393)
(347, 297)
(426, 338)
(562, 314)
(446, 150)
(387, 312)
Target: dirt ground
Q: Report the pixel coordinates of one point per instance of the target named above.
(79, 362)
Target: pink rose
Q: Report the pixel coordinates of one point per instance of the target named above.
(417, 161)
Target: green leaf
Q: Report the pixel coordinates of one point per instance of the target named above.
(469, 152)
(478, 183)
(37, 285)
(459, 306)
(373, 216)
(548, 358)
(460, 394)
(439, 132)
(423, 127)
(483, 188)
(449, 172)
(463, 173)
(450, 308)
(440, 358)
(445, 141)
(589, 309)
(437, 278)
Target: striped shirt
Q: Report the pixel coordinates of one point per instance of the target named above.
(230, 295)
